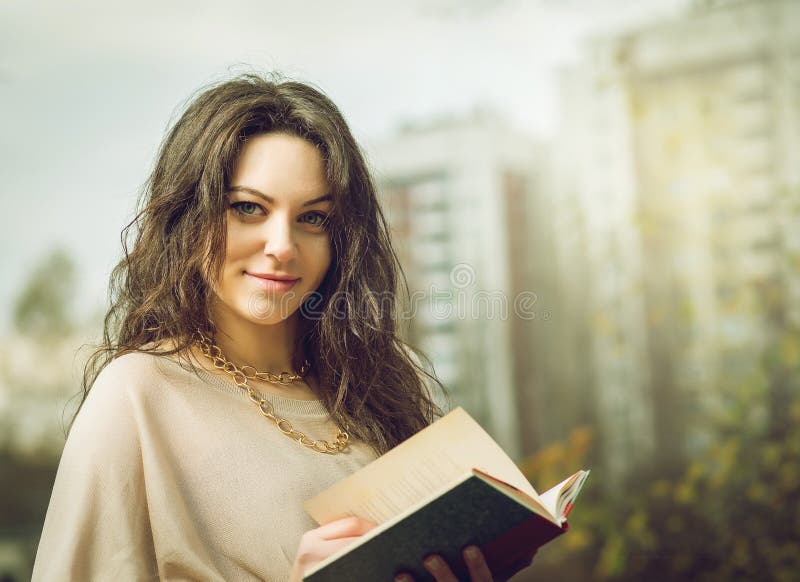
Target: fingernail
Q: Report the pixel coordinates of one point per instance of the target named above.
(434, 563)
(402, 578)
(472, 552)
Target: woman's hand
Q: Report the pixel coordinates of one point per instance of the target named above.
(476, 564)
(318, 544)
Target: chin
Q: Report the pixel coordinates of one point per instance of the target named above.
(266, 310)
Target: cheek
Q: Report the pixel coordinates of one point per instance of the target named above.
(325, 254)
(239, 244)
(316, 260)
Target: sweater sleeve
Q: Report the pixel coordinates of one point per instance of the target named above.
(97, 525)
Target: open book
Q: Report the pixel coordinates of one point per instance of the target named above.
(448, 486)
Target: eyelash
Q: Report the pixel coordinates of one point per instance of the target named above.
(237, 207)
(323, 218)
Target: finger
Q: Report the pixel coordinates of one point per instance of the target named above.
(329, 547)
(404, 578)
(439, 568)
(476, 564)
(348, 526)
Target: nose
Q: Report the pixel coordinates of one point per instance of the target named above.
(279, 239)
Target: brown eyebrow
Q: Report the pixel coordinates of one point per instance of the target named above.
(271, 200)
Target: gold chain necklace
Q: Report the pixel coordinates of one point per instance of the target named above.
(240, 375)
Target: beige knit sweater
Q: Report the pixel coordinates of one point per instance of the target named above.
(167, 475)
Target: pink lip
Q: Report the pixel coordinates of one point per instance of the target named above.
(271, 282)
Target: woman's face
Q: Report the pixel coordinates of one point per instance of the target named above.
(278, 249)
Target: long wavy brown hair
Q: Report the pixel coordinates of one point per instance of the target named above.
(370, 379)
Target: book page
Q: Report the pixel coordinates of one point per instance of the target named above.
(417, 468)
(558, 498)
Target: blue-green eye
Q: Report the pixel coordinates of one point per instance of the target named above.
(316, 219)
(247, 208)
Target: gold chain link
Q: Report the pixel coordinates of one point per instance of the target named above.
(240, 375)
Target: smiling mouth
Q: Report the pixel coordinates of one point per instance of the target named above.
(273, 282)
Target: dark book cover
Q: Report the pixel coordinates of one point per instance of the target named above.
(472, 512)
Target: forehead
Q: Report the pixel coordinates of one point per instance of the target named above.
(282, 166)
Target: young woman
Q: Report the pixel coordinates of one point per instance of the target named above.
(250, 358)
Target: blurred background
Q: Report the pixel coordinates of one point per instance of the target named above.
(597, 204)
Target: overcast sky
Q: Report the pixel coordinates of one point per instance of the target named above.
(87, 89)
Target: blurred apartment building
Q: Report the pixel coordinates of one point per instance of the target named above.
(460, 199)
(677, 173)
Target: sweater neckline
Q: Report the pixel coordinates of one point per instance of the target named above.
(283, 404)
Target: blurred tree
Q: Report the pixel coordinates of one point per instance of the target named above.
(780, 358)
(43, 307)
(732, 513)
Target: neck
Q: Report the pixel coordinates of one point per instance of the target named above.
(267, 347)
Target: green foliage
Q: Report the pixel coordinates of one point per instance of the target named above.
(43, 307)
(733, 513)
